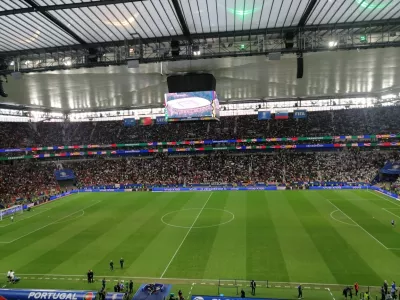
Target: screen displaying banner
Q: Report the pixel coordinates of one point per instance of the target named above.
(191, 106)
(129, 122)
(264, 115)
(300, 114)
(205, 142)
(392, 168)
(65, 174)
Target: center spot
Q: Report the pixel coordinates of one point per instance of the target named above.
(209, 217)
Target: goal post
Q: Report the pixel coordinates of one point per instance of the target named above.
(11, 211)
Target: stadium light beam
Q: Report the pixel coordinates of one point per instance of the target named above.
(332, 44)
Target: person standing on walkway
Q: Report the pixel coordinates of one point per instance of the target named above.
(356, 287)
(253, 286)
(300, 289)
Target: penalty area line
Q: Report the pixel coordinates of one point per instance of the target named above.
(55, 222)
(359, 226)
(23, 219)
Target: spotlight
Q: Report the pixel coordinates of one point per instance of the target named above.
(196, 50)
(67, 62)
(332, 44)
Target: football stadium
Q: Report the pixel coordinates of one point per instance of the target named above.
(199, 149)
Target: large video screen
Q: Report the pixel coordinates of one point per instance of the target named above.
(191, 106)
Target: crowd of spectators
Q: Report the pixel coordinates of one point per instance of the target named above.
(30, 179)
(283, 167)
(339, 122)
(26, 180)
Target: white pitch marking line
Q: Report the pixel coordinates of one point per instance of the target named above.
(49, 224)
(81, 215)
(379, 194)
(190, 292)
(340, 220)
(278, 286)
(391, 213)
(184, 238)
(22, 219)
(359, 225)
(330, 293)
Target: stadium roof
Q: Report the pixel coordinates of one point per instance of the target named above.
(32, 24)
(45, 35)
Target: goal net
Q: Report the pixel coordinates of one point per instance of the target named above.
(11, 211)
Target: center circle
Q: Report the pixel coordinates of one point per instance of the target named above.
(192, 213)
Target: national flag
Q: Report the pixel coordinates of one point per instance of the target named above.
(146, 121)
(282, 115)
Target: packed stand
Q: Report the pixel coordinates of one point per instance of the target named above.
(31, 179)
(26, 180)
(221, 168)
(340, 122)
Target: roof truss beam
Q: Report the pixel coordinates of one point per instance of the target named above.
(307, 13)
(57, 22)
(182, 21)
(209, 35)
(46, 8)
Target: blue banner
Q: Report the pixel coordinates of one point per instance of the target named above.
(161, 120)
(300, 114)
(344, 187)
(16, 294)
(114, 296)
(129, 122)
(65, 174)
(391, 168)
(389, 194)
(264, 115)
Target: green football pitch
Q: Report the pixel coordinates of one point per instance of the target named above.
(208, 242)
